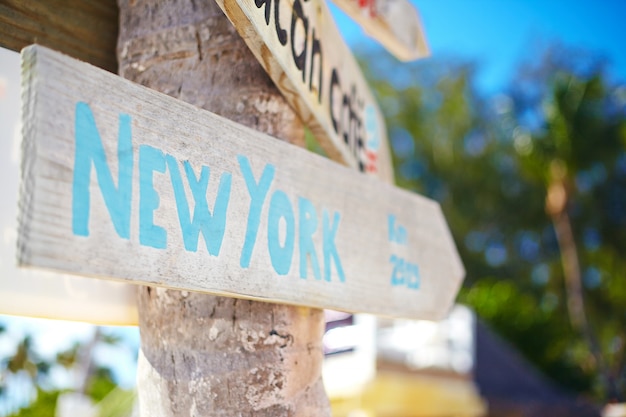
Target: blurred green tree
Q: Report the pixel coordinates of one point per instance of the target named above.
(533, 185)
(31, 383)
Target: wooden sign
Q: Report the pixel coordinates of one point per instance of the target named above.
(394, 23)
(122, 182)
(300, 47)
(84, 29)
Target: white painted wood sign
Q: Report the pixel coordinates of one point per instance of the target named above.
(394, 23)
(123, 182)
(300, 47)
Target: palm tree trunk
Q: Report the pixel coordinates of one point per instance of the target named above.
(202, 354)
(556, 205)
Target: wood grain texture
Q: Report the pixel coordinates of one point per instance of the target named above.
(356, 221)
(300, 47)
(84, 29)
(394, 23)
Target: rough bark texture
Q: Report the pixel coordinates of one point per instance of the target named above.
(206, 355)
(189, 50)
(203, 355)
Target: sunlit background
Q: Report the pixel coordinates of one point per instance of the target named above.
(516, 124)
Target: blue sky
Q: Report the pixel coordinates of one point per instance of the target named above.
(499, 34)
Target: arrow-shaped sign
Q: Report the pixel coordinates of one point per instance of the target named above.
(126, 183)
(300, 47)
(394, 23)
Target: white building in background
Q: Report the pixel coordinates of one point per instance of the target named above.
(385, 368)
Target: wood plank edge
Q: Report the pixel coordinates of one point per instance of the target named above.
(425, 315)
(28, 148)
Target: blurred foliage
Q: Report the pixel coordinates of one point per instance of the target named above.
(117, 403)
(490, 162)
(42, 406)
(31, 383)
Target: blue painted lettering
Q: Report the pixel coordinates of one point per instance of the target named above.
(397, 232)
(195, 217)
(211, 225)
(258, 192)
(150, 160)
(329, 247)
(396, 277)
(280, 255)
(307, 226)
(88, 150)
(404, 273)
(413, 276)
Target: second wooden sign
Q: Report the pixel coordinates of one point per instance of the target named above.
(300, 47)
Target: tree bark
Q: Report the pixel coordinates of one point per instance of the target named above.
(202, 354)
